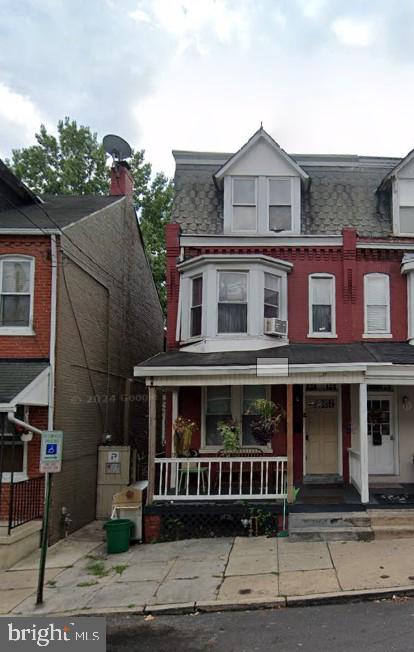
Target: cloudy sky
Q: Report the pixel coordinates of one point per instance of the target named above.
(323, 75)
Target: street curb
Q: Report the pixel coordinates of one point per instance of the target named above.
(339, 597)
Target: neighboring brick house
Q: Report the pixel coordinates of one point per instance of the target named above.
(306, 261)
(78, 305)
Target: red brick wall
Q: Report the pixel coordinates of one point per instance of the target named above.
(348, 264)
(38, 345)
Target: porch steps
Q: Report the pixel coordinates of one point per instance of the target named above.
(392, 523)
(330, 526)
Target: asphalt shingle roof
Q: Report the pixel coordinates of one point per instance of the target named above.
(15, 375)
(339, 194)
(63, 210)
(391, 352)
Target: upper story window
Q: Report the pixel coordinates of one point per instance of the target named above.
(232, 302)
(244, 202)
(16, 295)
(376, 305)
(404, 207)
(236, 296)
(196, 306)
(322, 306)
(280, 205)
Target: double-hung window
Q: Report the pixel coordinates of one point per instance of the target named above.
(218, 408)
(271, 295)
(280, 205)
(16, 293)
(406, 207)
(250, 394)
(232, 302)
(377, 304)
(322, 305)
(244, 200)
(196, 306)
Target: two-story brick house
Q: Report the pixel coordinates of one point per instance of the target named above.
(77, 306)
(290, 277)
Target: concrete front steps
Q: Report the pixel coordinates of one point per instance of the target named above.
(392, 523)
(330, 526)
(352, 526)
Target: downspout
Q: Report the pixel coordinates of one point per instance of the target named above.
(52, 344)
(23, 424)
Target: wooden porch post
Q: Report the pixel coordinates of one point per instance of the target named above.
(363, 441)
(152, 439)
(289, 435)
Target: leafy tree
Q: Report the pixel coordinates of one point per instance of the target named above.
(71, 163)
(74, 163)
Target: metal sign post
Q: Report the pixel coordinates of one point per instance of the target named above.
(50, 462)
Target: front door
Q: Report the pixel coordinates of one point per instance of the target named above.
(321, 435)
(380, 435)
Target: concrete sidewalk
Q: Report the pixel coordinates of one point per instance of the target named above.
(204, 574)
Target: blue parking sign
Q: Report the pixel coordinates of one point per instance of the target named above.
(51, 449)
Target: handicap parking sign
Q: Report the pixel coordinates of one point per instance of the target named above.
(51, 451)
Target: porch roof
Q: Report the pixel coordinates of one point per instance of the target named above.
(19, 375)
(296, 354)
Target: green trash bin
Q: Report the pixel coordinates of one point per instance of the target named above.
(118, 535)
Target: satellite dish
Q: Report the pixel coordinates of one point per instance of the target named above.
(116, 147)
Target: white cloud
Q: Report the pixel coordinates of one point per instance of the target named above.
(354, 32)
(18, 111)
(139, 16)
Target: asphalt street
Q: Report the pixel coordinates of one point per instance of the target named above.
(368, 626)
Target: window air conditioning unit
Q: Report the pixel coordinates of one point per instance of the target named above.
(273, 326)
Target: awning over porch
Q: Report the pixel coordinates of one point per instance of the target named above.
(23, 382)
(391, 362)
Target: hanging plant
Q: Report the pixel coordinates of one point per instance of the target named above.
(230, 432)
(183, 434)
(267, 417)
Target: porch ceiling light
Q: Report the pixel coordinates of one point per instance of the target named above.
(406, 403)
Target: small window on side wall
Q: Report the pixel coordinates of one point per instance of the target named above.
(280, 205)
(322, 305)
(377, 304)
(244, 202)
(196, 306)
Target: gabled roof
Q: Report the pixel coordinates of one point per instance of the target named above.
(397, 168)
(261, 134)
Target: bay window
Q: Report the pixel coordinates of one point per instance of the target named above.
(376, 304)
(322, 305)
(244, 192)
(232, 302)
(16, 293)
(280, 205)
(271, 295)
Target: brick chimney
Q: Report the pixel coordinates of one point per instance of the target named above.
(122, 182)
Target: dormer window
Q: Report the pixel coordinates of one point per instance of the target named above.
(244, 201)
(280, 205)
(406, 206)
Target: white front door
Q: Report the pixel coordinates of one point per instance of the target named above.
(321, 435)
(381, 435)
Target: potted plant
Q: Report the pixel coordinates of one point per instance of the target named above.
(230, 432)
(183, 434)
(267, 417)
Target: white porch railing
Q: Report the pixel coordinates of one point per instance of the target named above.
(216, 478)
(355, 468)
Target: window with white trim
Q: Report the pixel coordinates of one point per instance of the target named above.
(232, 302)
(322, 305)
(12, 449)
(271, 295)
(406, 205)
(280, 205)
(231, 403)
(244, 201)
(376, 304)
(196, 306)
(16, 293)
